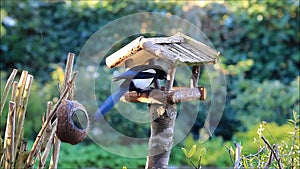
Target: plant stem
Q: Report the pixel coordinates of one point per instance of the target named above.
(273, 151)
(237, 155)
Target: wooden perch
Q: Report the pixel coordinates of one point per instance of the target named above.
(155, 96)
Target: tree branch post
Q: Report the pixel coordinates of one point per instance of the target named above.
(162, 129)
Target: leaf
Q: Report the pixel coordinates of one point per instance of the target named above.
(184, 151)
(203, 151)
(192, 151)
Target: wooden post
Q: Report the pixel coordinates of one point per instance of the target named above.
(195, 76)
(162, 129)
(156, 82)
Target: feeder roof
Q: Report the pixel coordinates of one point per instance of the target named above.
(179, 49)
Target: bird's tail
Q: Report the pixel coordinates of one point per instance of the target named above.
(110, 102)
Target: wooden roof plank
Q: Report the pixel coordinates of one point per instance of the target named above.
(179, 49)
(124, 53)
(200, 46)
(166, 40)
(197, 52)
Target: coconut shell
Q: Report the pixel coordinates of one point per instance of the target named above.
(66, 130)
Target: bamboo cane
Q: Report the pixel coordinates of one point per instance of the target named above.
(14, 91)
(9, 136)
(31, 158)
(57, 142)
(46, 152)
(22, 110)
(7, 88)
(55, 153)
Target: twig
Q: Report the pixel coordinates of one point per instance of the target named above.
(273, 151)
(229, 151)
(237, 155)
(193, 164)
(7, 88)
(256, 154)
(269, 161)
(33, 151)
(9, 136)
(55, 153)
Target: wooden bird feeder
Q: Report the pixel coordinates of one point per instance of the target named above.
(169, 53)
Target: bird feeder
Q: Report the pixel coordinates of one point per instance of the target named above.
(168, 52)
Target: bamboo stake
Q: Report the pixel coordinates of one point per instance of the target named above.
(7, 88)
(31, 158)
(14, 91)
(20, 89)
(9, 136)
(48, 131)
(19, 103)
(57, 142)
(68, 72)
(55, 153)
(22, 155)
(46, 152)
(22, 110)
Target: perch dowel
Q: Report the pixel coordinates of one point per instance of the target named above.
(155, 96)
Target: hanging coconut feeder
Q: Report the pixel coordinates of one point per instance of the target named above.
(70, 129)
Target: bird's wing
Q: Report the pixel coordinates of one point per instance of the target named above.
(132, 72)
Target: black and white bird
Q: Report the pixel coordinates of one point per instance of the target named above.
(137, 78)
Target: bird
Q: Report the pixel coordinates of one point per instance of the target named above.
(137, 78)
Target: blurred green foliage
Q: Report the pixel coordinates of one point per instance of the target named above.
(264, 31)
(285, 137)
(93, 156)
